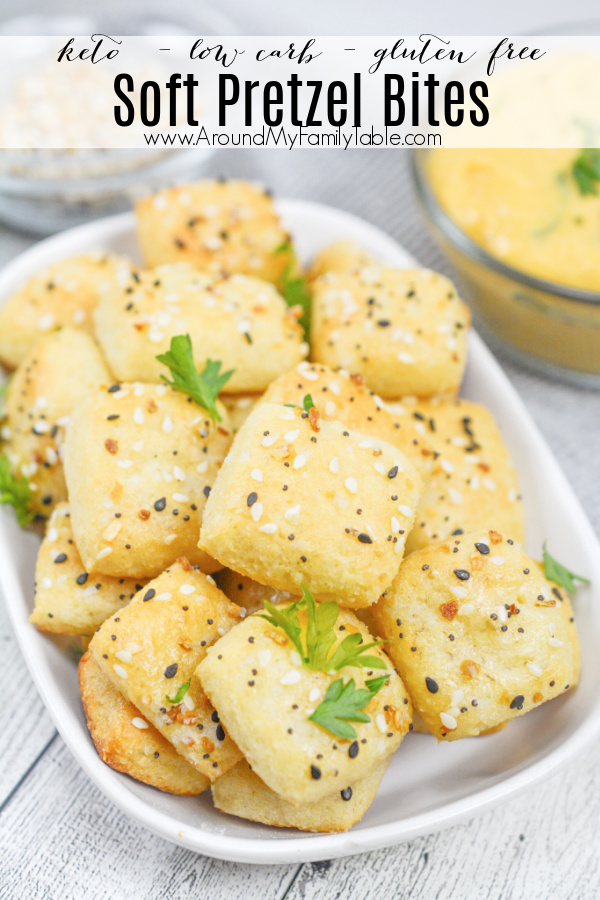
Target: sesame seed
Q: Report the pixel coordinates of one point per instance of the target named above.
(534, 668)
(448, 721)
(120, 671)
(187, 588)
(405, 511)
(264, 657)
(139, 722)
(124, 656)
(497, 560)
(351, 485)
(432, 685)
(381, 723)
(256, 511)
(291, 677)
(314, 695)
(290, 436)
(460, 592)
(268, 528)
(334, 466)
(105, 552)
(269, 440)
(299, 461)
(455, 496)
(292, 515)
(256, 474)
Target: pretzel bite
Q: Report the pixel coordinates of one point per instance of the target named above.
(471, 480)
(247, 594)
(292, 488)
(242, 793)
(240, 320)
(239, 407)
(345, 398)
(140, 461)
(68, 600)
(342, 256)
(127, 742)
(62, 295)
(265, 696)
(149, 651)
(477, 633)
(220, 226)
(40, 396)
(404, 330)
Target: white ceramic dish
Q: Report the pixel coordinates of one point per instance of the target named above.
(428, 786)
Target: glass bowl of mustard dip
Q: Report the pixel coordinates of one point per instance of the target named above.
(522, 229)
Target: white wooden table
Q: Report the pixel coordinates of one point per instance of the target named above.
(61, 840)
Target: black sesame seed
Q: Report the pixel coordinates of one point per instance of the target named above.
(206, 491)
(252, 498)
(474, 703)
(462, 574)
(517, 702)
(483, 548)
(160, 504)
(220, 733)
(149, 594)
(114, 388)
(81, 579)
(215, 716)
(61, 558)
(504, 628)
(432, 686)
(458, 531)
(365, 538)
(171, 671)
(353, 750)
(393, 472)
(346, 794)
(315, 772)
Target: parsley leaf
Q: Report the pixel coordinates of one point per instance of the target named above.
(554, 571)
(202, 388)
(344, 703)
(308, 403)
(286, 618)
(320, 635)
(181, 692)
(15, 491)
(3, 390)
(586, 171)
(294, 287)
(349, 653)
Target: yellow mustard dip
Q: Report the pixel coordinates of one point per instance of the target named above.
(524, 207)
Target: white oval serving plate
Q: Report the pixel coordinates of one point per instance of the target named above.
(428, 785)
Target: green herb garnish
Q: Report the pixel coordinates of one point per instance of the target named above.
(307, 403)
(586, 171)
(15, 491)
(203, 388)
(181, 692)
(3, 390)
(319, 636)
(344, 703)
(554, 571)
(293, 287)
